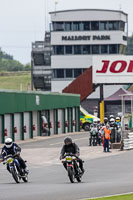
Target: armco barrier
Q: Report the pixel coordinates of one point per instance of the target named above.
(128, 143)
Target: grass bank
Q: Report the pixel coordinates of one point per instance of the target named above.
(15, 81)
(120, 197)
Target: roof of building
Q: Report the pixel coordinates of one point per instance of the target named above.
(117, 95)
(74, 10)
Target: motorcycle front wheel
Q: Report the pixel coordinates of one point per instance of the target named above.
(15, 176)
(71, 174)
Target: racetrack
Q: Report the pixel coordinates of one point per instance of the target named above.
(105, 173)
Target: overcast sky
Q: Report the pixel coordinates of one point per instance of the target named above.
(23, 21)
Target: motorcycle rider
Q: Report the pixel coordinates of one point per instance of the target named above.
(94, 130)
(114, 128)
(105, 120)
(118, 123)
(70, 147)
(11, 148)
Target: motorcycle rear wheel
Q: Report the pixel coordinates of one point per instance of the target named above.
(25, 179)
(78, 179)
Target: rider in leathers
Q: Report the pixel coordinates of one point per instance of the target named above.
(70, 147)
(11, 148)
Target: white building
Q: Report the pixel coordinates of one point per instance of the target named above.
(77, 35)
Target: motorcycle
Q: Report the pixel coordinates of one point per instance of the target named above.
(73, 170)
(15, 168)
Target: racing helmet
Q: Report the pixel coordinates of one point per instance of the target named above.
(105, 120)
(95, 121)
(8, 142)
(117, 119)
(67, 140)
(111, 116)
(112, 120)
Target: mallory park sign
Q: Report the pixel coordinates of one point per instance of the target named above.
(86, 37)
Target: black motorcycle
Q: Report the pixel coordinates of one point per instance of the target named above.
(15, 168)
(74, 172)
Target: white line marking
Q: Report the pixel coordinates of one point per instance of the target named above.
(115, 195)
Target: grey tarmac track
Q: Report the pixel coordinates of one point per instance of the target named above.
(105, 173)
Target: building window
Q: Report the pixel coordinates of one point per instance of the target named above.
(68, 26)
(77, 26)
(77, 72)
(39, 59)
(103, 25)
(94, 26)
(68, 49)
(59, 73)
(86, 26)
(60, 50)
(69, 73)
(113, 49)
(113, 25)
(86, 49)
(104, 49)
(95, 49)
(122, 26)
(77, 49)
(58, 26)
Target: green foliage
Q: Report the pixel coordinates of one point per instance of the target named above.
(129, 49)
(10, 65)
(7, 63)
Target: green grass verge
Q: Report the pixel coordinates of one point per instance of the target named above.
(121, 197)
(15, 81)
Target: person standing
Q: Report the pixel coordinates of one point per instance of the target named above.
(107, 133)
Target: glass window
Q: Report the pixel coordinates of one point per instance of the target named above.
(95, 25)
(68, 49)
(77, 72)
(58, 26)
(68, 26)
(69, 73)
(77, 49)
(122, 26)
(60, 50)
(60, 73)
(77, 26)
(95, 49)
(113, 25)
(104, 49)
(103, 25)
(86, 49)
(116, 25)
(86, 26)
(38, 59)
(113, 48)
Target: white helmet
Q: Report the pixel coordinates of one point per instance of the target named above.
(94, 120)
(112, 120)
(8, 142)
(111, 116)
